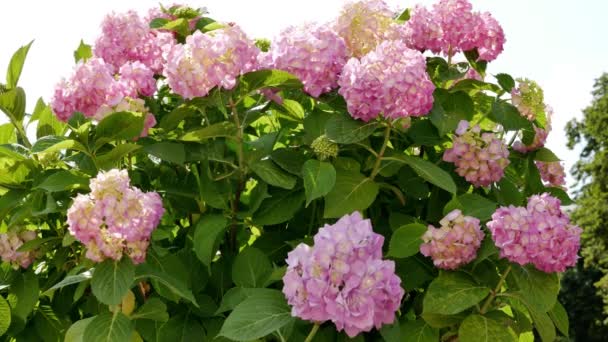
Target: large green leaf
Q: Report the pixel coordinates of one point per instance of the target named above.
(208, 230)
(15, 66)
(472, 205)
(319, 179)
(418, 331)
(559, 316)
(353, 191)
(82, 52)
(63, 180)
(251, 268)
(477, 328)
(146, 271)
(406, 240)
(343, 129)
(429, 171)
(70, 280)
(75, 332)
(423, 133)
(540, 289)
(181, 328)
(12, 103)
(112, 158)
(453, 292)
(26, 288)
(48, 124)
(237, 295)
(257, 316)
(545, 155)
(222, 129)
(168, 151)
(112, 280)
(51, 144)
(121, 126)
(279, 207)
(153, 309)
(5, 316)
(256, 80)
(508, 116)
(8, 135)
(269, 172)
(48, 326)
(108, 327)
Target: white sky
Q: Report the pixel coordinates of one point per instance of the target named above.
(559, 43)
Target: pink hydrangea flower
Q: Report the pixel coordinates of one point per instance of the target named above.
(343, 278)
(126, 37)
(454, 243)
(480, 158)
(313, 53)
(540, 135)
(458, 23)
(209, 60)
(422, 31)
(391, 80)
(364, 24)
(540, 234)
(137, 79)
(528, 97)
(10, 243)
(552, 173)
(490, 38)
(115, 219)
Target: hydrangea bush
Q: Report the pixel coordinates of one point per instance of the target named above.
(366, 178)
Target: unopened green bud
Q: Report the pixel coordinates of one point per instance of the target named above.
(325, 148)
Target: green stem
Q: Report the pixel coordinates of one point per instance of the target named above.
(387, 135)
(241, 182)
(312, 333)
(488, 302)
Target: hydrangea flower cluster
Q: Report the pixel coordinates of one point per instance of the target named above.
(453, 244)
(552, 173)
(10, 242)
(391, 80)
(365, 24)
(115, 219)
(315, 54)
(540, 135)
(540, 234)
(479, 157)
(528, 97)
(343, 278)
(451, 27)
(126, 37)
(216, 58)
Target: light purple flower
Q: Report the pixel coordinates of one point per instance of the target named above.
(10, 243)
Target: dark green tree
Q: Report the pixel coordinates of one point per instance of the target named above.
(591, 213)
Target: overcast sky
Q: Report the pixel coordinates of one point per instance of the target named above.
(561, 44)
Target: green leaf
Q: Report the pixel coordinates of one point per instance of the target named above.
(269, 172)
(108, 327)
(559, 316)
(237, 295)
(12, 103)
(319, 179)
(75, 332)
(179, 26)
(48, 325)
(25, 287)
(505, 81)
(112, 280)
(153, 309)
(538, 288)
(181, 328)
(278, 208)
(168, 151)
(429, 171)
(222, 129)
(208, 230)
(406, 240)
(507, 193)
(543, 325)
(15, 66)
(343, 129)
(256, 317)
(113, 157)
(561, 194)
(8, 134)
(52, 144)
(418, 331)
(443, 321)
(36, 243)
(453, 292)
(146, 271)
(472, 205)
(70, 280)
(423, 133)
(121, 126)
(63, 180)
(294, 110)
(508, 116)
(477, 328)
(290, 160)
(83, 52)
(545, 155)
(251, 268)
(352, 192)
(256, 80)
(5, 316)
(48, 124)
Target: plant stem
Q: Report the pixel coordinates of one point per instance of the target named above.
(486, 304)
(312, 333)
(241, 169)
(387, 135)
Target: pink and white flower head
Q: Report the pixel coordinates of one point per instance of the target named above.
(10, 243)
(552, 173)
(540, 234)
(528, 97)
(115, 219)
(480, 158)
(540, 135)
(391, 80)
(343, 278)
(126, 37)
(314, 53)
(454, 243)
(137, 79)
(459, 25)
(208, 60)
(490, 38)
(364, 24)
(422, 31)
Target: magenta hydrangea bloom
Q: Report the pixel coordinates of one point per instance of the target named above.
(539, 234)
(207, 60)
(137, 79)
(126, 37)
(454, 243)
(314, 53)
(490, 38)
(115, 219)
(552, 173)
(343, 278)
(480, 158)
(10, 243)
(364, 24)
(540, 135)
(458, 23)
(391, 80)
(422, 31)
